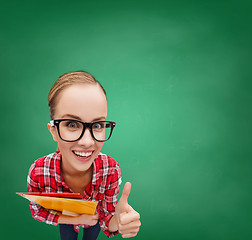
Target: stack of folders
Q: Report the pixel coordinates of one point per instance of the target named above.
(70, 204)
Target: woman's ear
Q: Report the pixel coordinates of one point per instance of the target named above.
(53, 131)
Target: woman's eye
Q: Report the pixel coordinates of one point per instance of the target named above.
(98, 126)
(72, 125)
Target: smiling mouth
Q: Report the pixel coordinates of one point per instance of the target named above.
(82, 154)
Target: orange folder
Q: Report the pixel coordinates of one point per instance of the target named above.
(68, 203)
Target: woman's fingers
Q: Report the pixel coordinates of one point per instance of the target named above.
(129, 223)
(129, 235)
(88, 219)
(128, 217)
(132, 227)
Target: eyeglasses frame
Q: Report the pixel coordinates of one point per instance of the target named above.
(89, 125)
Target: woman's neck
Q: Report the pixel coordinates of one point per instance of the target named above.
(77, 181)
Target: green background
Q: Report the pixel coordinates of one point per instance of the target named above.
(178, 79)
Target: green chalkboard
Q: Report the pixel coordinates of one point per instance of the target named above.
(178, 79)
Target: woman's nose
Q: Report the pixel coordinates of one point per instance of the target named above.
(87, 139)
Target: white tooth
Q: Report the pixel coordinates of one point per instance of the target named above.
(83, 154)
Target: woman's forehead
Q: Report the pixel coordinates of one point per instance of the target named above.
(85, 101)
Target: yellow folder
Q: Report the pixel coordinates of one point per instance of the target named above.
(67, 206)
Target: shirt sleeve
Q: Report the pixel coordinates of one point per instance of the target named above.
(39, 213)
(109, 202)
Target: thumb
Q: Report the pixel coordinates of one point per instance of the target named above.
(125, 194)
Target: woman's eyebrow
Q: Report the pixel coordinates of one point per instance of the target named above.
(71, 116)
(78, 118)
(98, 119)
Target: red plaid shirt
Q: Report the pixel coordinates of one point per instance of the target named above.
(45, 176)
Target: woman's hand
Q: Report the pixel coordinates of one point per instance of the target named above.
(127, 219)
(81, 219)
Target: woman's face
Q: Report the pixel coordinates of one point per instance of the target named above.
(87, 103)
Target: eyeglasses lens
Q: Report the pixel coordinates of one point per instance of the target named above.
(70, 130)
(102, 130)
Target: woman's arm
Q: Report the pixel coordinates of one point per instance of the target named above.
(82, 219)
(113, 226)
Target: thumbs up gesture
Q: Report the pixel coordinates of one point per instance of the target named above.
(127, 218)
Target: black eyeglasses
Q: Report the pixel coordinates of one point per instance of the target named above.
(71, 130)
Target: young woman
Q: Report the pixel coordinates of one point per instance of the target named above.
(78, 110)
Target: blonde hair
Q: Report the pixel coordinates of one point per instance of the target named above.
(66, 80)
